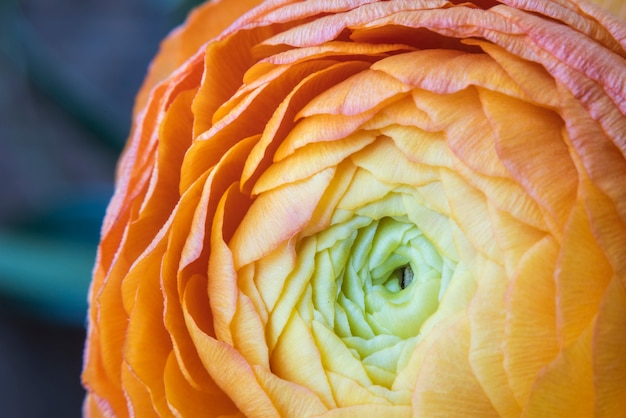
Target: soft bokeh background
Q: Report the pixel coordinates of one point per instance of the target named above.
(69, 71)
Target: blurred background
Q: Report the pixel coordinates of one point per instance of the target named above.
(69, 71)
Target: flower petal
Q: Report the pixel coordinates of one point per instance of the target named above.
(530, 341)
(609, 352)
(446, 369)
(551, 397)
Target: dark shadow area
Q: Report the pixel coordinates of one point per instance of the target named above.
(39, 365)
(69, 72)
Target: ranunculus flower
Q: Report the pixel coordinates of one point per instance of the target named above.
(370, 208)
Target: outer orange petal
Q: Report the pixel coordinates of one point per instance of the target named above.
(188, 401)
(145, 328)
(252, 401)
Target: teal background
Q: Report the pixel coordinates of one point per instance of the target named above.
(69, 71)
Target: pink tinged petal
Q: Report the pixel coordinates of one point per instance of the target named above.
(284, 212)
(596, 80)
(601, 158)
(300, 10)
(289, 398)
(255, 14)
(96, 407)
(428, 29)
(296, 358)
(469, 134)
(445, 71)
(612, 21)
(568, 46)
(582, 276)
(531, 341)
(530, 143)
(536, 83)
(147, 124)
(332, 50)
(582, 16)
(609, 352)
(564, 388)
(327, 28)
(487, 318)
(446, 385)
(364, 91)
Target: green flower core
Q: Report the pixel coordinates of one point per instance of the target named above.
(374, 285)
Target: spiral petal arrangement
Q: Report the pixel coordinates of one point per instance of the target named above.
(370, 208)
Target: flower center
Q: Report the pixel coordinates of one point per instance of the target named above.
(374, 285)
(406, 276)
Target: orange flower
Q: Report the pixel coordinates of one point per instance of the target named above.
(368, 208)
